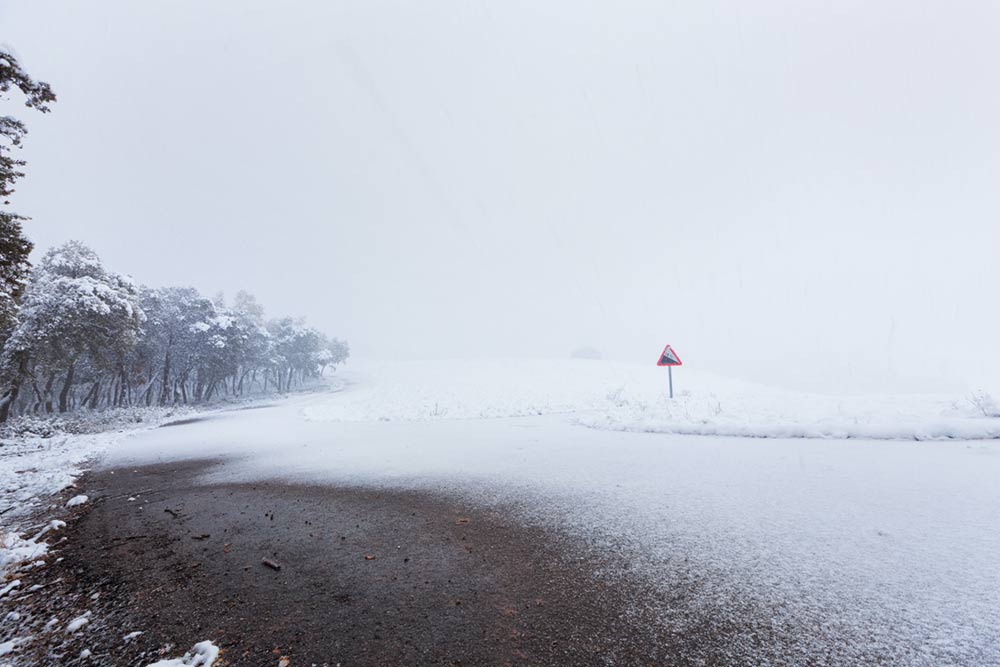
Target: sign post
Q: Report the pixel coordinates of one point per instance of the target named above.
(670, 359)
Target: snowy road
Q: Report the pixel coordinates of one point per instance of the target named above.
(851, 549)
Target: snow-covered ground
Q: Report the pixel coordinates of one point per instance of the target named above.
(630, 397)
(889, 546)
(34, 468)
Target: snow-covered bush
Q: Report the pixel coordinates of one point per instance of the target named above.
(984, 404)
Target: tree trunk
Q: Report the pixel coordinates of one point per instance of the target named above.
(15, 385)
(64, 394)
(48, 392)
(95, 394)
(86, 397)
(39, 399)
(239, 389)
(122, 386)
(165, 383)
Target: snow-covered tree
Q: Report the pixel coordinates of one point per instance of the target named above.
(169, 337)
(88, 337)
(255, 339)
(14, 246)
(335, 352)
(73, 307)
(297, 351)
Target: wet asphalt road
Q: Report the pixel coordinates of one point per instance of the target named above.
(366, 578)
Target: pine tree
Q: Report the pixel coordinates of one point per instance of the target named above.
(14, 246)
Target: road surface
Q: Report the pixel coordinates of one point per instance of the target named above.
(538, 541)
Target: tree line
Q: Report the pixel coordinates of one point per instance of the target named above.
(74, 334)
(88, 337)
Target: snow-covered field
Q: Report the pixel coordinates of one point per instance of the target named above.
(630, 397)
(851, 546)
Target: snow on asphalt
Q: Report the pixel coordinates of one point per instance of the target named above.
(889, 546)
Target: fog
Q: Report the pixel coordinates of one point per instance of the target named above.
(803, 193)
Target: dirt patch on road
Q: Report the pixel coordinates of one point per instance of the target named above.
(328, 576)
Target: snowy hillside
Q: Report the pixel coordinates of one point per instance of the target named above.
(632, 397)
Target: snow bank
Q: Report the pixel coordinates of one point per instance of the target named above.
(32, 469)
(761, 412)
(629, 397)
(42, 456)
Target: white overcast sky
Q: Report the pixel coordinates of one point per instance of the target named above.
(795, 191)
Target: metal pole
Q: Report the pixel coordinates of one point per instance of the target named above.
(670, 374)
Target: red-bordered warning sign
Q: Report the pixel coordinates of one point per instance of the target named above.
(669, 358)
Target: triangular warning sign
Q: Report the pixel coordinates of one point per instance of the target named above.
(669, 358)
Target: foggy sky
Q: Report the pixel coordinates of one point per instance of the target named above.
(797, 192)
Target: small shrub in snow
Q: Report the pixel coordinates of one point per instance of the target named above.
(984, 404)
